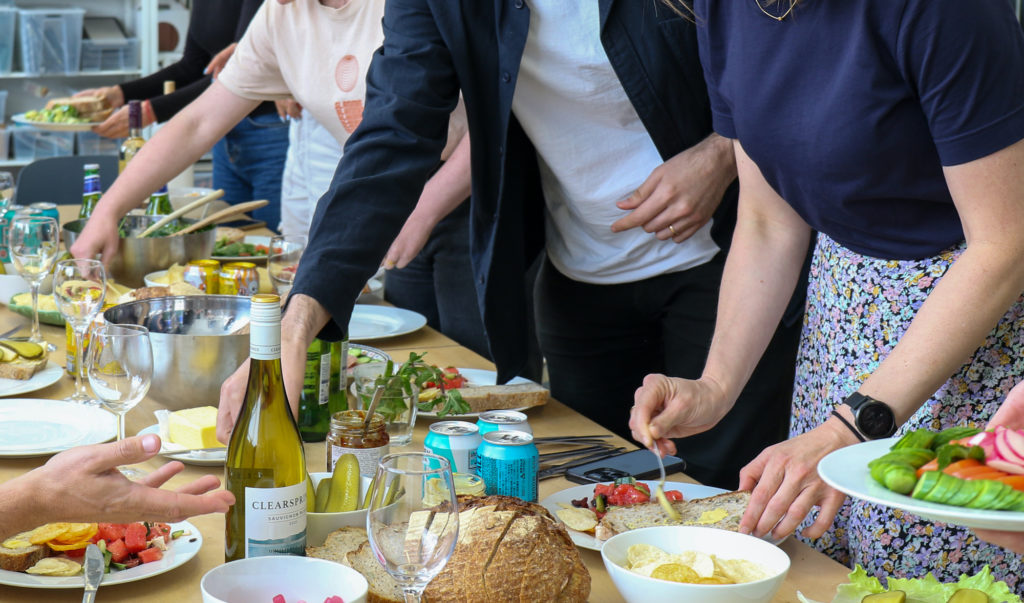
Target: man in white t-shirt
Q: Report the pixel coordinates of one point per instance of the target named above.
(591, 138)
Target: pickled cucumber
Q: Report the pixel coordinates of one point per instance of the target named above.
(893, 596)
(344, 490)
(323, 490)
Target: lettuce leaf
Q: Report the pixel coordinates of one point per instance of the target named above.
(920, 590)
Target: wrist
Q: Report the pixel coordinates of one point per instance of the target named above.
(18, 511)
(148, 116)
(116, 96)
(302, 320)
(842, 433)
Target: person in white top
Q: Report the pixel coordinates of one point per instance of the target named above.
(316, 53)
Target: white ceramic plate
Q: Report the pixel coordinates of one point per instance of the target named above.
(256, 259)
(53, 127)
(846, 470)
(205, 459)
(32, 427)
(476, 377)
(380, 322)
(587, 541)
(177, 554)
(44, 378)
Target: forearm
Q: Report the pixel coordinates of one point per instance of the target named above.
(966, 304)
(176, 146)
(720, 152)
(19, 508)
(448, 188)
(302, 320)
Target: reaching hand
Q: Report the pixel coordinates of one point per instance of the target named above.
(288, 108)
(409, 242)
(98, 238)
(116, 126)
(669, 407)
(219, 60)
(83, 484)
(785, 484)
(112, 94)
(680, 195)
(232, 391)
(1010, 415)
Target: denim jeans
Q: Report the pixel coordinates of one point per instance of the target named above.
(248, 163)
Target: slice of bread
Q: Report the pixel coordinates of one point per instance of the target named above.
(22, 369)
(339, 543)
(383, 588)
(501, 397)
(692, 513)
(22, 558)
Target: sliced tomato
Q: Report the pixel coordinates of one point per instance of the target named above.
(452, 379)
(135, 537)
(953, 468)
(131, 562)
(644, 488)
(118, 551)
(605, 489)
(159, 529)
(75, 553)
(673, 495)
(932, 465)
(626, 494)
(1014, 481)
(151, 554)
(111, 531)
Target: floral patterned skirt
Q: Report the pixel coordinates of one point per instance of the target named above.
(858, 307)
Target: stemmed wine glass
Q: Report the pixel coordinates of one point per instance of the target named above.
(120, 369)
(34, 243)
(413, 518)
(78, 288)
(6, 189)
(283, 261)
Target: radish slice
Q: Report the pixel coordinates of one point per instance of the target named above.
(1005, 466)
(1005, 450)
(1016, 441)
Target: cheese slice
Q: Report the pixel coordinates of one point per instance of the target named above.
(194, 427)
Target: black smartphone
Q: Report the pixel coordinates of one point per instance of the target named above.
(640, 464)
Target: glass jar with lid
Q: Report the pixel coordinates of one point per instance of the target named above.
(349, 436)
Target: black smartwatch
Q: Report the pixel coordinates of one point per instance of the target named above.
(873, 418)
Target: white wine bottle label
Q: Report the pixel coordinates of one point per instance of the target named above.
(325, 377)
(275, 521)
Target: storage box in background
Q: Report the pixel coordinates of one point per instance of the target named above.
(7, 18)
(110, 55)
(90, 143)
(3, 106)
(30, 143)
(5, 137)
(51, 39)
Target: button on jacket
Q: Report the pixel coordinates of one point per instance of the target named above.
(432, 50)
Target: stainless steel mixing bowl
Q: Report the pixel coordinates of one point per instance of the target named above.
(138, 257)
(198, 341)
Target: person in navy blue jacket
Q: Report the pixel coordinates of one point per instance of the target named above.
(591, 139)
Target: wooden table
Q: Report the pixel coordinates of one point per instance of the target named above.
(812, 573)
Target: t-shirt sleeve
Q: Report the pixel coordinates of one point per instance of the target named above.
(721, 112)
(252, 71)
(966, 64)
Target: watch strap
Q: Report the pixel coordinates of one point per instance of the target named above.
(860, 436)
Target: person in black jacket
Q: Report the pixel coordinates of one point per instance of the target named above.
(249, 160)
(591, 138)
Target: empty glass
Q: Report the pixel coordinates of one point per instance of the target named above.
(413, 519)
(283, 261)
(79, 287)
(34, 243)
(399, 404)
(120, 369)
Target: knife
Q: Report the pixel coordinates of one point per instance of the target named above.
(93, 572)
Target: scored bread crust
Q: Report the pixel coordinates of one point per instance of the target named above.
(502, 397)
(649, 514)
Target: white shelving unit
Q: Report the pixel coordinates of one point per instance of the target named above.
(139, 19)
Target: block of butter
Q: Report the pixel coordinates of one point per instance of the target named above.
(194, 427)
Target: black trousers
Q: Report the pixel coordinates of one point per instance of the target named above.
(601, 340)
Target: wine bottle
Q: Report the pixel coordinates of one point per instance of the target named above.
(160, 203)
(338, 397)
(91, 192)
(266, 466)
(314, 413)
(134, 142)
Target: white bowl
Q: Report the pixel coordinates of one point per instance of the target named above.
(259, 579)
(10, 285)
(676, 539)
(150, 281)
(319, 525)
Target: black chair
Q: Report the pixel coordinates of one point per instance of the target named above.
(59, 179)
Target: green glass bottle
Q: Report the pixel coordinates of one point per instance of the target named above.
(159, 203)
(91, 190)
(338, 395)
(266, 465)
(314, 408)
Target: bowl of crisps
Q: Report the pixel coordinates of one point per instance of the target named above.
(694, 564)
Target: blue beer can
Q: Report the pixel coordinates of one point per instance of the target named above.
(508, 462)
(456, 441)
(503, 420)
(46, 209)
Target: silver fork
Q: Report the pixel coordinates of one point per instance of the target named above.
(659, 491)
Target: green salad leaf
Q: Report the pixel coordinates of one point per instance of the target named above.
(920, 590)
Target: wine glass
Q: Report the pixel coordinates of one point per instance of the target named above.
(6, 189)
(413, 519)
(78, 288)
(283, 261)
(120, 369)
(34, 243)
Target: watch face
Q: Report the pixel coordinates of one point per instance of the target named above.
(875, 420)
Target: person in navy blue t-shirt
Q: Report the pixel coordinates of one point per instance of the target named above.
(894, 130)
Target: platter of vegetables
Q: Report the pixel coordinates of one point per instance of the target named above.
(959, 475)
